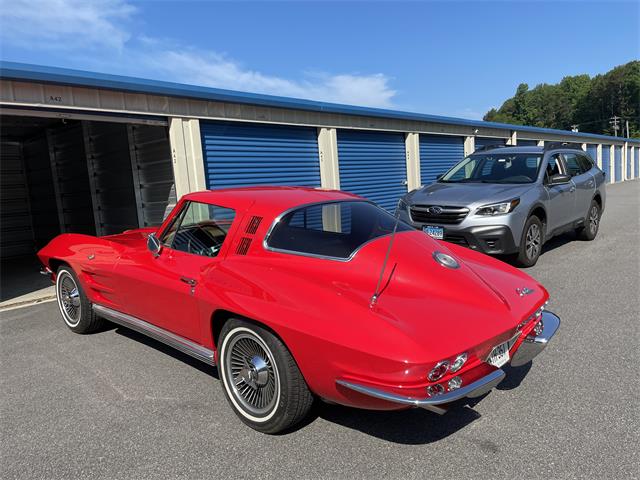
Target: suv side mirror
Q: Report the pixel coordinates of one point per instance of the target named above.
(154, 245)
(559, 179)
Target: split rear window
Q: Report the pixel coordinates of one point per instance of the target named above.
(333, 230)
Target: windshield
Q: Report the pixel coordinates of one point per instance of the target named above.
(495, 168)
(335, 230)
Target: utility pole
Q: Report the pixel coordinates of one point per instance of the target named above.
(574, 128)
(614, 122)
(627, 122)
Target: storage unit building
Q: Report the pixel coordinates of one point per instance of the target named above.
(438, 153)
(606, 162)
(98, 154)
(617, 164)
(373, 165)
(241, 154)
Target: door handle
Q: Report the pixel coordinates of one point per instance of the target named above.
(590, 183)
(572, 189)
(189, 281)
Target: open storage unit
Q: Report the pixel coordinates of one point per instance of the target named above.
(79, 176)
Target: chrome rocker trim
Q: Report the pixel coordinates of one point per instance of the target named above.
(475, 389)
(160, 334)
(532, 345)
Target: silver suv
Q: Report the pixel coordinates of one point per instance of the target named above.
(510, 200)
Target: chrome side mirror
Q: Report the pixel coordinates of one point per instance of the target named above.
(154, 245)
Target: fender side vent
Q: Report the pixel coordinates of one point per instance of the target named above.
(252, 226)
(243, 246)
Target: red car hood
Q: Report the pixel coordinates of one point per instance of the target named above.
(132, 238)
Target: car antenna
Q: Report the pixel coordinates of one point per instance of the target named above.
(376, 294)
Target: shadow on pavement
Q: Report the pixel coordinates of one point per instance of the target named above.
(167, 350)
(410, 427)
(514, 377)
(21, 276)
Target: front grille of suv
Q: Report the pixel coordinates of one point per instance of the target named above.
(438, 214)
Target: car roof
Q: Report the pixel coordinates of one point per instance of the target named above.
(514, 149)
(269, 199)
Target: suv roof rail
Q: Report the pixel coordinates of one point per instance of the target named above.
(490, 147)
(558, 145)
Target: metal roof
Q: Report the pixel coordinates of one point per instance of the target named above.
(63, 76)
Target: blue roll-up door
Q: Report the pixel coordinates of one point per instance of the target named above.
(485, 141)
(592, 150)
(242, 154)
(629, 163)
(617, 166)
(438, 153)
(373, 164)
(527, 143)
(606, 167)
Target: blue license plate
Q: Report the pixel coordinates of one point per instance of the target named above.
(434, 232)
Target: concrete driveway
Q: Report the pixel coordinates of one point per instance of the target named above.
(117, 405)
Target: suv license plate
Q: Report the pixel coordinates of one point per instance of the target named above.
(434, 232)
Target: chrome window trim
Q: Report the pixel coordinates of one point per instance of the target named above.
(277, 220)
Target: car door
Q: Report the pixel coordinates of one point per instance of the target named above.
(583, 181)
(162, 289)
(561, 198)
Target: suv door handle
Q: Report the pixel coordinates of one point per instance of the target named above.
(189, 281)
(572, 189)
(590, 183)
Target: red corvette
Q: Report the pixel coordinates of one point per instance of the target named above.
(297, 293)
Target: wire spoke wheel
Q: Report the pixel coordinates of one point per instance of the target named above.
(533, 241)
(594, 219)
(69, 298)
(252, 374)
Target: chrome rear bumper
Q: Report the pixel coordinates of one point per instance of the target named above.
(533, 345)
(530, 347)
(475, 389)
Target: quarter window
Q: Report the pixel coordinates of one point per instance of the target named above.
(573, 164)
(585, 163)
(199, 229)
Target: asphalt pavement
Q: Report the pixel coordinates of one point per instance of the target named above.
(117, 405)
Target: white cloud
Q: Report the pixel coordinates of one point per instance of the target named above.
(65, 24)
(76, 26)
(215, 70)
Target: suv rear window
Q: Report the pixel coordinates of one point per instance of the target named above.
(334, 230)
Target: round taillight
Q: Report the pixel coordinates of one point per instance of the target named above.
(434, 390)
(538, 328)
(458, 363)
(455, 383)
(438, 371)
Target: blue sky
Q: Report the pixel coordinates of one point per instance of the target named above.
(447, 57)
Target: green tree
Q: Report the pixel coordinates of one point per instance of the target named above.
(578, 100)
